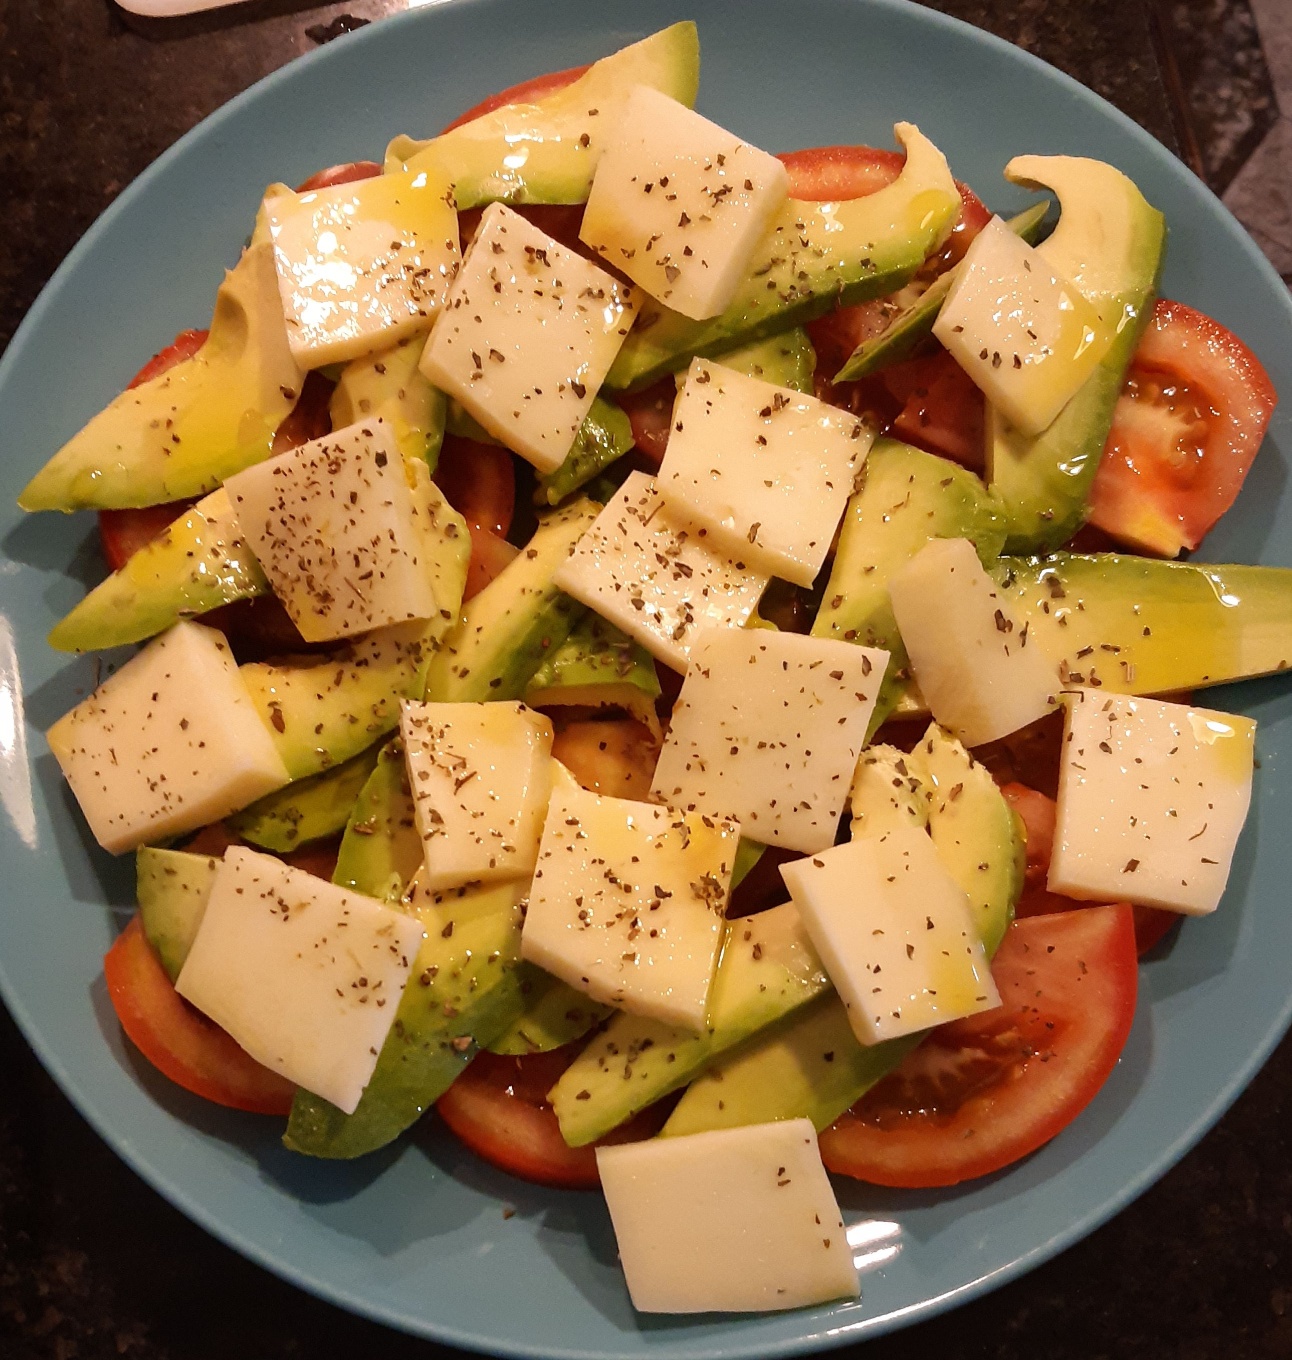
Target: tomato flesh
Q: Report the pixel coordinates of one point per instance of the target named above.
(650, 413)
(982, 1092)
(498, 1108)
(1191, 416)
(180, 1041)
(478, 481)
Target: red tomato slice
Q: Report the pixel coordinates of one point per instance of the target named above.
(650, 413)
(180, 1041)
(980, 1093)
(1191, 416)
(1038, 814)
(349, 173)
(527, 92)
(498, 1108)
(489, 555)
(943, 412)
(184, 346)
(478, 481)
(309, 418)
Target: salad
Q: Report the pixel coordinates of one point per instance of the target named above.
(664, 547)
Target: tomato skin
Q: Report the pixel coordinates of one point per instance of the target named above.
(184, 346)
(489, 555)
(527, 92)
(1190, 419)
(943, 411)
(498, 1108)
(983, 1092)
(351, 172)
(180, 1041)
(650, 413)
(478, 481)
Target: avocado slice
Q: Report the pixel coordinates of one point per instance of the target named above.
(1109, 242)
(1139, 625)
(811, 1065)
(462, 992)
(389, 385)
(786, 359)
(198, 563)
(381, 850)
(181, 434)
(308, 809)
(912, 326)
(515, 621)
(172, 887)
(889, 790)
(554, 1015)
(814, 256)
(595, 667)
(604, 437)
(546, 151)
(767, 969)
(906, 498)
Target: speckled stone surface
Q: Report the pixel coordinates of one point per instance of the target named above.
(93, 1264)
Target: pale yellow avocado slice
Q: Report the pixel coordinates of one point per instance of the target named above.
(183, 433)
(546, 151)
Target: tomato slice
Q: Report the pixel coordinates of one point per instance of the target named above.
(498, 1108)
(310, 418)
(527, 92)
(478, 481)
(1189, 421)
(982, 1092)
(351, 172)
(184, 346)
(489, 555)
(943, 411)
(179, 1040)
(650, 413)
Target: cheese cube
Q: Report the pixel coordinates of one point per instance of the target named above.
(304, 975)
(767, 729)
(766, 470)
(362, 265)
(528, 333)
(654, 576)
(679, 204)
(628, 900)
(338, 532)
(169, 743)
(736, 1220)
(969, 654)
(896, 933)
(1152, 797)
(1026, 337)
(480, 776)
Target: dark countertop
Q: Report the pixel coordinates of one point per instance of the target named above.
(95, 1264)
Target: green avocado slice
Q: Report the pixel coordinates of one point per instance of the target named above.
(604, 437)
(1109, 242)
(388, 385)
(546, 151)
(555, 1014)
(181, 434)
(786, 360)
(598, 666)
(814, 256)
(381, 850)
(172, 887)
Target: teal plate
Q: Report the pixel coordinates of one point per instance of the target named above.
(416, 1236)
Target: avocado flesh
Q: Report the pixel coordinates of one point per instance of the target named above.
(604, 437)
(597, 666)
(1139, 625)
(172, 887)
(1109, 242)
(767, 969)
(196, 564)
(463, 991)
(912, 327)
(815, 256)
(547, 151)
(555, 1014)
(786, 360)
(907, 498)
(308, 809)
(811, 1065)
(515, 621)
(381, 850)
(389, 386)
(181, 434)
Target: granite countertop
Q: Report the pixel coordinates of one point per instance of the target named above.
(93, 1263)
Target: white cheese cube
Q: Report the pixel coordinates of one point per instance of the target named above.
(679, 204)
(362, 265)
(338, 531)
(1152, 797)
(653, 575)
(305, 976)
(767, 729)
(171, 742)
(896, 934)
(971, 659)
(766, 470)
(480, 776)
(1026, 337)
(528, 333)
(737, 1220)
(627, 902)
